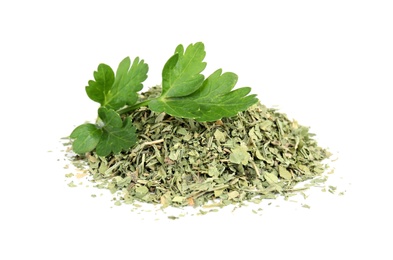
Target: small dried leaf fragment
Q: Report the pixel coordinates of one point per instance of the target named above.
(284, 173)
(240, 155)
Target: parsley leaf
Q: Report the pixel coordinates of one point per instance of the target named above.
(117, 91)
(117, 135)
(181, 74)
(86, 138)
(186, 94)
(113, 135)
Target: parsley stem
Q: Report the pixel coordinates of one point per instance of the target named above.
(133, 107)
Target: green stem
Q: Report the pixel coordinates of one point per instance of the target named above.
(133, 107)
(99, 122)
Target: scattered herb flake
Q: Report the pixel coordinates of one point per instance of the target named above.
(71, 184)
(69, 175)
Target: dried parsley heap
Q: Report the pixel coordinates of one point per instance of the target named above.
(193, 142)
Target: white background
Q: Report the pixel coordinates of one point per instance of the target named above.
(327, 64)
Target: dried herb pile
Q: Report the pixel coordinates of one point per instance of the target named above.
(178, 162)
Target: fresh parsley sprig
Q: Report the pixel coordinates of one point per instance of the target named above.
(185, 93)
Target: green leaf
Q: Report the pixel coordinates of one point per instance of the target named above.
(104, 79)
(185, 93)
(113, 135)
(117, 91)
(181, 74)
(117, 135)
(86, 138)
